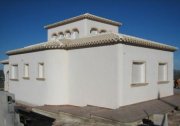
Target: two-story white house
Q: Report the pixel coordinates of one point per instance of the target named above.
(87, 61)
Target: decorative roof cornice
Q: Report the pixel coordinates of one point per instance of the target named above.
(84, 16)
(131, 40)
(92, 41)
(4, 61)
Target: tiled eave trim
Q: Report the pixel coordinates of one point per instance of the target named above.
(4, 61)
(148, 44)
(65, 47)
(85, 16)
(94, 41)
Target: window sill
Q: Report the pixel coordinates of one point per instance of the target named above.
(26, 78)
(138, 84)
(163, 82)
(14, 79)
(40, 79)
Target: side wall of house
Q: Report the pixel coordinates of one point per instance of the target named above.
(95, 76)
(153, 90)
(51, 90)
(6, 76)
(84, 27)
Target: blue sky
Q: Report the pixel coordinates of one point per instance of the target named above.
(22, 21)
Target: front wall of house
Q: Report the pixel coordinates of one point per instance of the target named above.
(153, 90)
(40, 92)
(94, 77)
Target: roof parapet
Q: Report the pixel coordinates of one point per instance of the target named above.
(84, 16)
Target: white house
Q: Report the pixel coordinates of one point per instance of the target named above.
(86, 61)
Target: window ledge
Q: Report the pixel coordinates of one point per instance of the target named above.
(163, 82)
(27, 78)
(40, 79)
(138, 84)
(14, 79)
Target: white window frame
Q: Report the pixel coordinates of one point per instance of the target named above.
(60, 36)
(41, 71)
(67, 34)
(75, 34)
(165, 72)
(14, 72)
(54, 37)
(142, 81)
(102, 31)
(94, 31)
(26, 71)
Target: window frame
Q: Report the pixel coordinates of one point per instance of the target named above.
(67, 34)
(75, 33)
(60, 36)
(167, 78)
(24, 69)
(16, 77)
(137, 84)
(94, 30)
(43, 71)
(54, 37)
(103, 31)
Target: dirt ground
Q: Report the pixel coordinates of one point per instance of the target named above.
(174, 118)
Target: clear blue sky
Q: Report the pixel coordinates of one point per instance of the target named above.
(22, 21)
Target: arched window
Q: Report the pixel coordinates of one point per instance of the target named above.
(94, 31)
(67, 34)
(75, 33)
(60, 36)
(103, 31)
(54, 36)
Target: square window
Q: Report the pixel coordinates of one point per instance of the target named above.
(162, 72)
(138, 72)
(14, 71)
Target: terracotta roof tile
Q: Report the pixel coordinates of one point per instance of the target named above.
(91, 41)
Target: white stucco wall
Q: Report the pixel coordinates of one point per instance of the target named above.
(95, 76)
(77, 77)
(40, 92)
(152, 58)
(84, 26)
(80, 25)
(99, 76)
(100, 26)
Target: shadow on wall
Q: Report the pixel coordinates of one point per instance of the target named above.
(1, 79)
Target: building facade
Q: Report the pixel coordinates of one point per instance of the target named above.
(86, 61)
